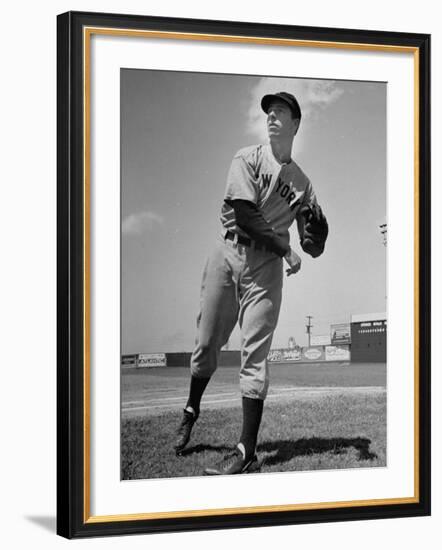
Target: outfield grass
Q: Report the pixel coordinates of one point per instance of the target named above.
(135, 381)
(311, 432)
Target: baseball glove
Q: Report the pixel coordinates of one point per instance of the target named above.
(313, 229)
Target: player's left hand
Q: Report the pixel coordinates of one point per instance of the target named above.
(313, 229)
(294, 262)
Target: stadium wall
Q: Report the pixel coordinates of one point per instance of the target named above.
(310, 354)
(307, 354)
(176, 359)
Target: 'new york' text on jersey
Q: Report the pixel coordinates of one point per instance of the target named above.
(278, 190)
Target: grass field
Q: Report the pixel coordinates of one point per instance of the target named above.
(316, 416)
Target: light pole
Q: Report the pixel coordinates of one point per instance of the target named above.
(308, 328)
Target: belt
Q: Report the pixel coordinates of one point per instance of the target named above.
(230, 236)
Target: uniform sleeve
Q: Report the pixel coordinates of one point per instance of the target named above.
(241, 181)
(309, 197)
(250, 219)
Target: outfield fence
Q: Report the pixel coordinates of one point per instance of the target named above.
(231, 358)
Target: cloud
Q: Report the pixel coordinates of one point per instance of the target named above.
(142, 222)
(313, 96)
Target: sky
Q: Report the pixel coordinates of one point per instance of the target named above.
(179, 132)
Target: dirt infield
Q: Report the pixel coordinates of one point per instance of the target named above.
(157, 390)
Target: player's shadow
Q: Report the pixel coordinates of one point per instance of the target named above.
(201, 448)
(285, 450)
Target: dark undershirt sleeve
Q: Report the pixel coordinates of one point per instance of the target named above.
(250, 219)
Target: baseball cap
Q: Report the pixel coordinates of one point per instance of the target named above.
(284, 96)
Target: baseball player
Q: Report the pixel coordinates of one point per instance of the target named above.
(242, 281)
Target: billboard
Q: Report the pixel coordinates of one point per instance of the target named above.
(313, 353)
(129, 360)
(310, 354)
(146, 360)
(340, 334)
(337, 353)
(284, 355)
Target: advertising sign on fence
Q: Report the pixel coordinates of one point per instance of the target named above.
(146, 360)
(313, 353)
(128, 361)
(337, 353)
(291, 354)
(284, 355)
(340, 334)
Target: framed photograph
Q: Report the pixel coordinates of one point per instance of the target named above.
(243, 274)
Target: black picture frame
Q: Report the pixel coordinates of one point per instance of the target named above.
(73, 518)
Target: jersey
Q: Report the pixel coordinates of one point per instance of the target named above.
(278, 190)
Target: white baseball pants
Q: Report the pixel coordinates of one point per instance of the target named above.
(245, 285)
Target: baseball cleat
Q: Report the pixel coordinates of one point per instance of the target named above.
(184, 431)
(234, 463)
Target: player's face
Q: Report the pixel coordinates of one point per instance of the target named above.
(280, 123)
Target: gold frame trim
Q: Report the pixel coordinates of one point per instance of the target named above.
(87, 33)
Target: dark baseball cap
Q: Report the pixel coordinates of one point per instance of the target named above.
(284, 96)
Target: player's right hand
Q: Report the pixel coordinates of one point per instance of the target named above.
(294, 262)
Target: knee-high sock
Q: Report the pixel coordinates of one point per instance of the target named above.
(252, 414)
(197, 387)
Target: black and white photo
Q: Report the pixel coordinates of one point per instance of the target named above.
(229, 185)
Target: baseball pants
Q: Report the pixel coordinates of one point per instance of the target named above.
(240, 284)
